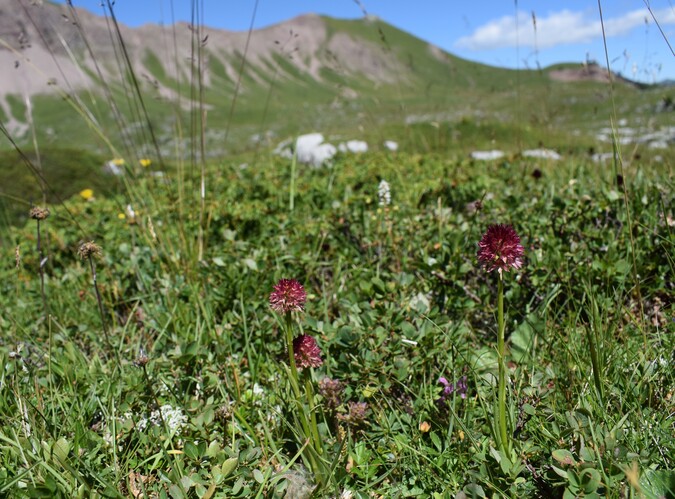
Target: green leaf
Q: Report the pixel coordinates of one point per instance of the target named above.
(436, 441)
(238, 485)
(529, 410)
(560, 472)
(522, 338)
(258, 476)
(214, 449)
(474, 490)
(589, 480)
(586, 454)
(251, 264)
(574, 480)
(229, 466)
(658, 484)
(191, 451)
(60, 449)
(563, 456)
(613, 195)
(175, 492)
(378, 285)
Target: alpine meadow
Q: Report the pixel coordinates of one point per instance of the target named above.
(328, 258)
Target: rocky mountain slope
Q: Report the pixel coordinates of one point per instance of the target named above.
(67, 74)
(54, 48)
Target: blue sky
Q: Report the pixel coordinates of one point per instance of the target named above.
(496, 32)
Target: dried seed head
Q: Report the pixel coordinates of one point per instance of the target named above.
(331, 390)
(38, 213)
(142, 359)
(357, 412)
(88, 249)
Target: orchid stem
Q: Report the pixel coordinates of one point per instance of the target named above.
(502, 366)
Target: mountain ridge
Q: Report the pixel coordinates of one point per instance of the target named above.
(308, 73)
(51, 37)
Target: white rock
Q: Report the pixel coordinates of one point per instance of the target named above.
(322, 154)
(284, 149)
(112, 167)
(308, 141)
(487, 155)
(541, 153)
(355, 146)
(311, 149)
(601, 157)
(391, 145)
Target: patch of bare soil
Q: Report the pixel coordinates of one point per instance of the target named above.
(584, 72)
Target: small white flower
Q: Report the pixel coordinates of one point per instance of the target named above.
(346, 494)
(173, 417)
(384, 193)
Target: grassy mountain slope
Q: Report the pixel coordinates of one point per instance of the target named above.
(309, 73)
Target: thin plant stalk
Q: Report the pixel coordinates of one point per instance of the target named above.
(594, 343)
(291, 201)
(41, 270)
(304, 417)
(309, 393)
(99, 300)
(501, 387)
(594, 362)
(92, 266)
(38, 213)
(291, 357)
(618, 160)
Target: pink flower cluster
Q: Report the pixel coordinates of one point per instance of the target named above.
(500, 249)
(288, 296)
(306, 352)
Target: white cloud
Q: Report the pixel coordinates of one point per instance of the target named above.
(559, 28)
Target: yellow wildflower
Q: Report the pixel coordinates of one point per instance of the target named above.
(87, 194)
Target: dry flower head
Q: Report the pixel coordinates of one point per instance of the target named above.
(88, 249)
(38, 213)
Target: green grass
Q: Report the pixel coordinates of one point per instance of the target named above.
(177, 383)
(374, 277)
(63, 172)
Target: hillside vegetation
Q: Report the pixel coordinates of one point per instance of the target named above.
(206, 317)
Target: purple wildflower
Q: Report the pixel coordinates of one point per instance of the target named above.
(500, 249)
(306, 352)
(288, 296)
(448, 389)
